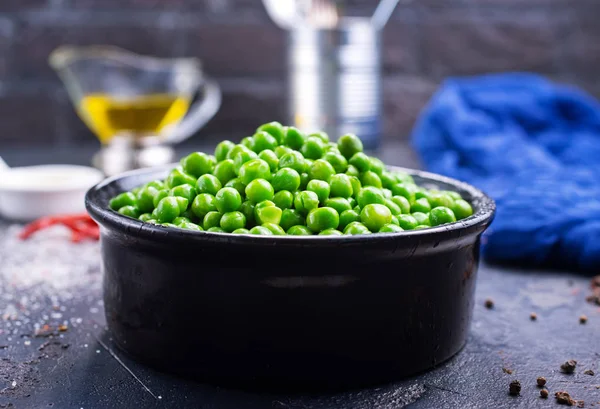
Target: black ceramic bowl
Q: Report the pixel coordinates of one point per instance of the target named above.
(288, 311)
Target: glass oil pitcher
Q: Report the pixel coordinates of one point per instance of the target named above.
(137, 106)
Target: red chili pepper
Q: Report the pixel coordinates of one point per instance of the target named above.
(82, 226)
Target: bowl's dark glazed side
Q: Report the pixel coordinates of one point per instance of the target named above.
(301, 311)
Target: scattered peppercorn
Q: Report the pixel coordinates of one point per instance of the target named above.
(544, 393)
(514, 388)
(508, 371)
(533, 316)
(564, 398)
(589, 372)
(569, 366)
(583, 319)
(489, 303)
(541, 381)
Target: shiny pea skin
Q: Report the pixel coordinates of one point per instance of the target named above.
(145, 199)
(441, 215)
(228, 200)
(321, 170)
(370, 178)
(347, 217)
(441, 199)
(216, 230)
(375, 216)
(462, 209)
(178, 177)
(264, 140)
(356, 228)
(208, 184)
(340, 186)
(361, 162)
(349, 145)
(186, 191)
(168, 209)
(402, 203)
(370, 195)
(211, 219)
(299, 231)
(422, 218)
(337, 160)
(293, 160)
(352, 171)
(331, 232)
(268, 214)
(233, 220)
(304, 179)
(261, 231)
(388, 179)
(247, 142)
(420, 205)
(160, 195)
(241, 231)
(338, 203)
(321, 135)
(254, 169)
(145, 217)
(322, 218)
(181, 219)
(190, 226)
(225, 170)
(237, 184)
(122, 200)
(294, 138)
(197, 164)
(275, 129)
(259, 190)
(130, 211)
(284, 199)
(377, 166)
(286, 179)
(407, 222)
(222, 150)
(280, 151)
(305, 201)
(313, 148)
(390, 228)
(356, 185)
(271, 158)
(275, 229)
(202, 204)
(247, 208)
(393, 207)
(241, 158)
(291, 217)
(406, 191)
(320, 187)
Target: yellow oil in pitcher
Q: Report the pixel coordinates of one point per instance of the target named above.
(147, 115)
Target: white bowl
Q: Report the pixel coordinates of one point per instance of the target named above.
(30, 192)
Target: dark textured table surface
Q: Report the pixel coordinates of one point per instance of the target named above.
(55, 350)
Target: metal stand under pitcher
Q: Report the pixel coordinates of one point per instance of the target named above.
(334, 67)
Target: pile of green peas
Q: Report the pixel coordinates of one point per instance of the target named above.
(281, 181)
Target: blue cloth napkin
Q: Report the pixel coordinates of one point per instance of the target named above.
(532, 145)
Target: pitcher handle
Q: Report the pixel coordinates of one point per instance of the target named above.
(199, 114)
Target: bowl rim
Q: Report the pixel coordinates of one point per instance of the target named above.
(111, 219)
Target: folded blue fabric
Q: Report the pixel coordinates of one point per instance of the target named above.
(532, 145)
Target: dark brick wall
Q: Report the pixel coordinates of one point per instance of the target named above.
(426, 41)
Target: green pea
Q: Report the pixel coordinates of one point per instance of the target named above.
(462, 209)
(174, 226)
(145, 217)
(361, 162)
(255, 169)
(241, 231)
(248, 142)
(313, 148)
(402, 203)
(331, 232)
(304, 179)
(247, 208)
(320, 187)
(441, 215)
(152, 221)
(377, 166)
(237, 184)
(291, 217)
(265, 203)
(268, 214)
(190, 226)
(375, 216)
(356, 228)
(168, 209)
(321, 135)
(122, 200)
(421, 227)
(403, 190)
(321, 170)
(215, 230)
(352, 201)
(390, 228)
(233, 220)
(241, 158)
(264, 140)
(202, 204)
(404, 177)
(339, 204)
(177, 177)
(236, 150)
(211, 219)
(275, 229)
(322, 218)
(394, 208)
(222, 150)
(299, 231)
(157, 184)
(294, 138)
(420, 205)
(286, 179)
(275, 129)
(308, 163)
(369, 195)
(182, 202)
(130, 211)
(225, 170)
(180, 219)
(259, 190)
(347, 217)
(284, 199)
(453, 195)
(208, 184)
(197, 164)
(271, 158)
(228, 200)
(370, 178)
(293, 160)
(339, 163)
(352, 171)
(357, 209)
(305, 201)
(407, 222)
(356, 185)
(282, 150)
(420, 194)
(261, 231)
(421, 218)
(340, 185)
(160, 196)
(387, 193)
(145, 199)
(349, 145)
(441, 199)
(395, 220)
(187, 191)
(388, 180)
